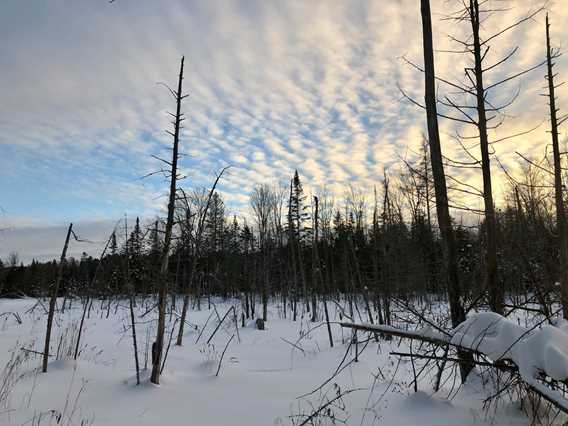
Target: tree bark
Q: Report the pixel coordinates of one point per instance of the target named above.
(558, 193)
(454, 289)
(495, 292)
(163, 289)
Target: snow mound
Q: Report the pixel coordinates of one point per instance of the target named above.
(547, 350)
(542, 349)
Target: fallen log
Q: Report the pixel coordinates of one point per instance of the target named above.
(424, 335)
(480, 338)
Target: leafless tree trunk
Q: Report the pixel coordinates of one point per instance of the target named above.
(261, 201)
(163, 285)
(131, 300)
(442, 209)
(53, 299)
(376, 254)
(484, 110)
(558, 193)
(495, 291)
(88, 298)
(196, 253)
(426, 179)
(318, 276)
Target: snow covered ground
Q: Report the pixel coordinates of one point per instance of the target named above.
(260, 381)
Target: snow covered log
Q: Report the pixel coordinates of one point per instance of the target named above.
(537, 353)
(534, 351)
(424, 334)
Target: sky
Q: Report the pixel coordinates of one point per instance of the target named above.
(273, 86)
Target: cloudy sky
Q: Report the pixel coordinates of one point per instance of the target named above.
(274, 85)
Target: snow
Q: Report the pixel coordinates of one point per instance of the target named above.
(490, 334)
(533, 350)
(260, 381)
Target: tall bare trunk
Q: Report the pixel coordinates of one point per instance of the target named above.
(53, 299)
(88, 299)
(495, 291)
(442, 209)
(558, 196)
(318, 276)
(163, 285)
(196, 254)
(131, 301)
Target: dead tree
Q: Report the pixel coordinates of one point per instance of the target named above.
(317, 274)
(196, 253)
(472, 105)
(495, 291)
(376, 256)
(468, 338)
(558, 186)
(89, 296)
(53, 299)
(261, 204)
(457, 312)
(486, 111)
(131, 300)
(158, 345)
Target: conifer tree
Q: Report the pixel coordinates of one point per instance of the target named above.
(135, 253)
(299, 211)
(113, 247)
(215, 223)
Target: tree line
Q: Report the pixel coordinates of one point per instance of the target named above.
(296, 247)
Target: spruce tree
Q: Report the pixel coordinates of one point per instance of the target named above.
(113, 248)
(215, 223)
(135, 253)
(299, 211)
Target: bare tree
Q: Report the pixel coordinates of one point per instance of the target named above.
(495, 291)
(261, 201)
(316, 269)
(131, 300)
(471, 103)
(158, 345)
(202, 207)
(53, 299)
(457, 312)
(558, 186)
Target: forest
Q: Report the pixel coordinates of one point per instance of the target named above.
(295, 250)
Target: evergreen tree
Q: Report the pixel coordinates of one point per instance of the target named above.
(299, 214)
(232, 236)
(215, 223)
(113, 247)
(154, 243)
(246, 239)
(136, 269)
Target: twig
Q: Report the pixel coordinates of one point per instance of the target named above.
(222, 355)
